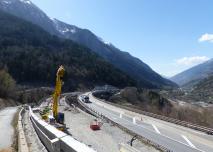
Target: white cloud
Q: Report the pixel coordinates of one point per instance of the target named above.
(206, 37)
(191, 61)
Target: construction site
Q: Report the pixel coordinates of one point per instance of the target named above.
(81, 122)
(94, 131)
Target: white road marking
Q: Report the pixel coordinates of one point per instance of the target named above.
(120, 115)
(187, 140)
(156, 129)
(153, 131)
(134, 120)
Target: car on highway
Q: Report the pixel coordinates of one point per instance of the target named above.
(85, 99)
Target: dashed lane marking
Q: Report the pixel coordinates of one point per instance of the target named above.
(187, 140)
(156, 129)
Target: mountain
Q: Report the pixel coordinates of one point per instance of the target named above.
(132, 66)
(200, 93)
(122, 60)
(31, 55)
(195, 74)
(27, 10)
(203, 91)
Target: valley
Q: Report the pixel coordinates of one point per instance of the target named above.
(59, 80)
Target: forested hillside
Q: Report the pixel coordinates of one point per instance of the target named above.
(32, 57)
(130, 65)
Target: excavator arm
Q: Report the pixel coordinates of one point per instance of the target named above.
(57, 92)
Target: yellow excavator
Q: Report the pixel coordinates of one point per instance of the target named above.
(57, 92)
(57, 119)
(58, 116)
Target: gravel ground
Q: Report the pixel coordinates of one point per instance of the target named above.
(33, 141)
(105, 140)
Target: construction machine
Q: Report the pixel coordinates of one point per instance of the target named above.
(57, 92)
(56, 118)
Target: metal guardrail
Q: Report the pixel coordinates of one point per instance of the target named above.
(97, 114)
(172, 120)
(55, 140)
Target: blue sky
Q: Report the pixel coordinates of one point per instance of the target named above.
(168, 35)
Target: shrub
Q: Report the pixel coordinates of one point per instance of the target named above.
(7, 84)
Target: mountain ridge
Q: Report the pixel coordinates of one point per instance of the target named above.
(132, 66)
(32, 55)
(192, 76)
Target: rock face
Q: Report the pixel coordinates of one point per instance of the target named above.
(134, 67)
(195, 74)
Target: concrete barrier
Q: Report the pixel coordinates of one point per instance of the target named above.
(69, 144)
(22, 144)
(52, 145)
(55, 140)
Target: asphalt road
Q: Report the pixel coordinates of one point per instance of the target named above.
(6, 129)
(171, 136)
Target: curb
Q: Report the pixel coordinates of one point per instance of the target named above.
(22, 143)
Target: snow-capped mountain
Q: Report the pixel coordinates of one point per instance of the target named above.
(122, 60)
(27, 10)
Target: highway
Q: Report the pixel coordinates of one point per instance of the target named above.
(6, 128)
(173, 137)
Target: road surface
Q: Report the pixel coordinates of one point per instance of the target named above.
(171, 136)
(6, 128)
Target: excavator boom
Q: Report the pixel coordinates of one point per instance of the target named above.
(57, 92)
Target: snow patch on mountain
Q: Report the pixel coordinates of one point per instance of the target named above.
(26, 1)
(65, 30)
(105, 42)
(7, 2)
